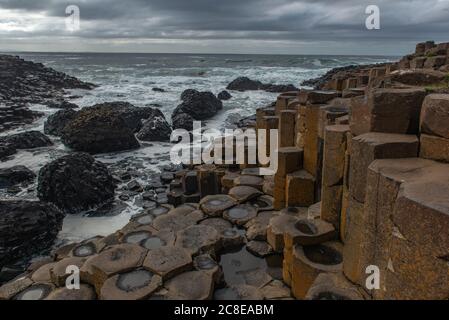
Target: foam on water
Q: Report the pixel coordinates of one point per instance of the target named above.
(130, 77)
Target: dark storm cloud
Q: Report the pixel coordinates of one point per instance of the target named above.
(275, 20)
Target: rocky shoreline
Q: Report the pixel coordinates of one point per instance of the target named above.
(371, 135)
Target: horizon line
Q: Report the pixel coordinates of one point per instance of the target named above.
(203, 53)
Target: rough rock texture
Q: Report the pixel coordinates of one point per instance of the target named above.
(26, 140)
(13, 115)
(56, 122)
(100, 129)
(196, 105)
(155, 129)
(15, 175)
(435, 115)
(224, 95)
(26, 227)
(26, 81)
(75, 182)
(246, 84)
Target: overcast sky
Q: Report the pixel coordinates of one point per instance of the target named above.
(226, 26)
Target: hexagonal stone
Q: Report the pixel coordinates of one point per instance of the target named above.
(263, 203)
(178, 219)
(206, 263)
(115, 259)
(333, 286)
(259, 248)
(193, 285)
(239, 292)
(231, 238)
(10, 289)
(218, 223)
(214, 205)
(244, 193)
(85, 292)
(84, 249)
(159, 239)
(168, 261)
(308, 232)
(137, 236)
(276, 229)
(256, 229)
(132, 285)
(37, 291)
(250, 181)
(240, 214)
(198, 238)
(43, 273)
(63, 252)
(158, 211)
(276, 290)
(58, 272)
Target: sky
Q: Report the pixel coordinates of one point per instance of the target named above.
(226, 26)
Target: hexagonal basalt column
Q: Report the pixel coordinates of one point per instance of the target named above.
(168, 261)
(307, 232)
(244, 193)
(240, 214)
(133, 285)
(214, 205)
(193, 285)
(115, 259)
(37, 291)
(85, 292)
(310, 261)
(198, 238)
(333, 286)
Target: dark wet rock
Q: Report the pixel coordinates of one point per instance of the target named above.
(14, 115)
(56, 122)
(155, 129)
(134, 186)
(195, 106)
(167, 177)
(15, 175)
(26, 140)
(224, 95)
(108, 209)
(26, 228)
(182, 121)
(62, 105)
(158, 90)
(75, 183)
(6, 150)
(246, 122)
(26, 81)
(279, 88)
(99, 129)
(246, 84)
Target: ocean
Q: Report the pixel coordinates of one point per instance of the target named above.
(131, 77)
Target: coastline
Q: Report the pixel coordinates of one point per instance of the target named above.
(202, 212)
